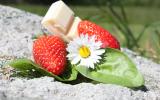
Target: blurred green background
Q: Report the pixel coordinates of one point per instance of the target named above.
(135, 23)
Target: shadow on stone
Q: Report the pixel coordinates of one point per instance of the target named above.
(142, 88)
(81, 79)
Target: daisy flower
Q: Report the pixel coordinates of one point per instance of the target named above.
(85, 51)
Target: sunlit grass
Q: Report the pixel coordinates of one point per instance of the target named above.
(136, 15)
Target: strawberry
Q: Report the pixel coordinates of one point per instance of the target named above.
(50, 53)
(108, 40)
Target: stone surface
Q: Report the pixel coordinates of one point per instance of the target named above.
(16, 30)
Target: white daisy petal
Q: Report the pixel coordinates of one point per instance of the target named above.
(75, 60)
(95, 60)
(82, 62)
(96, 57)
(92, 39)
(91, 63)
(90, 56)
(99, 52)
(72, 55)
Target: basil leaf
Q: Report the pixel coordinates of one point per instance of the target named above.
(28, 67)
(117, 68)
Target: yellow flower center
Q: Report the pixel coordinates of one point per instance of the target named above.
(84, 51)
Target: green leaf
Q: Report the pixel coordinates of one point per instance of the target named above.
(29, 68)
(117, 68)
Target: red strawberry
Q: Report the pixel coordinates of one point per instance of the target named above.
(50, 53)
(108, 40)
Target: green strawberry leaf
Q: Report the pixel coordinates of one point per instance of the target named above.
(116, 68)
(29, 68)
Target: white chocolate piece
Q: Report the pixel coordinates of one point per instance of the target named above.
(59, 18)
(73, 32)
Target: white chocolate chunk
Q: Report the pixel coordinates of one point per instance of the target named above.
(73, 32)
(59, 18)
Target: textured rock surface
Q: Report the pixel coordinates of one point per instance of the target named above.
(16, 29)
